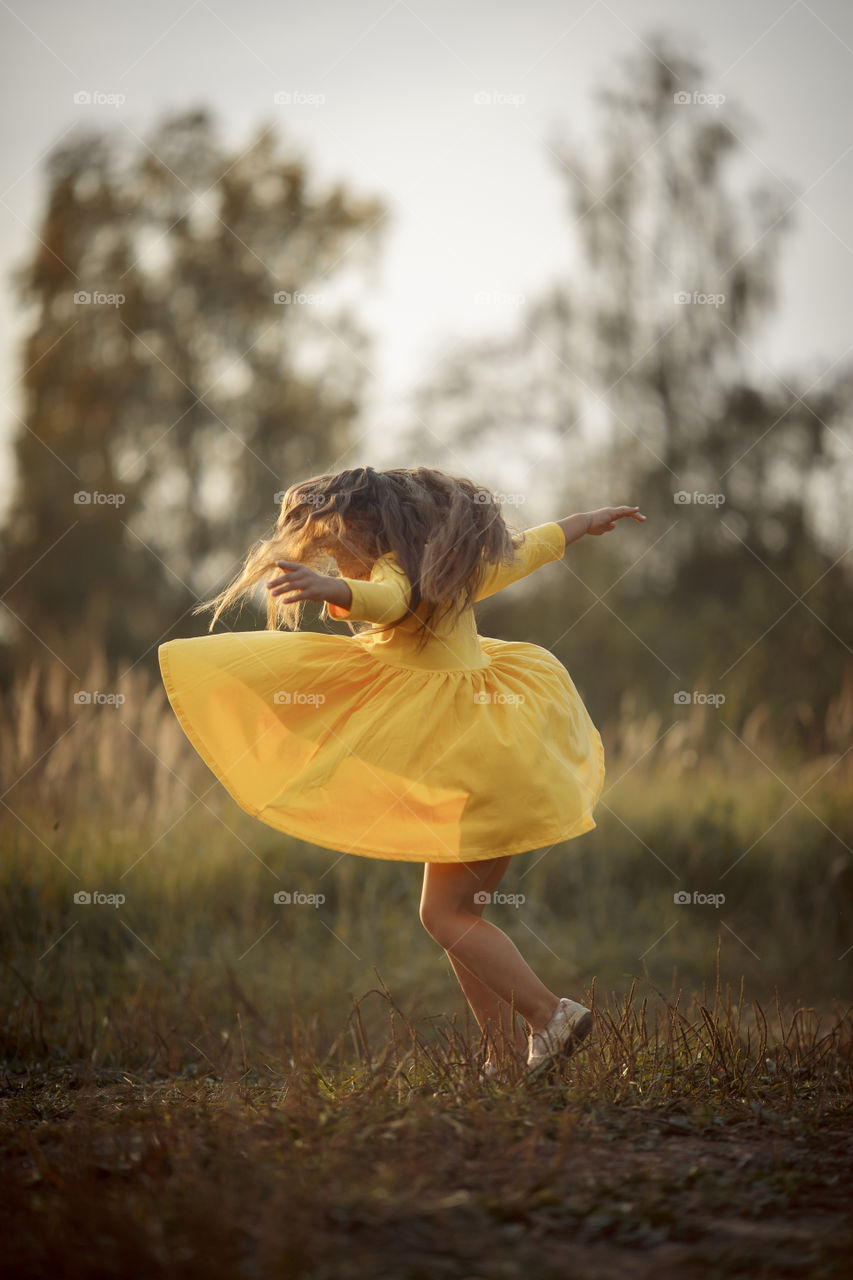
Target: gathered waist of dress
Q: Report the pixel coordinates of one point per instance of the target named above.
(448, 649)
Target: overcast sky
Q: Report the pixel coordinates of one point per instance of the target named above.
(476, 204)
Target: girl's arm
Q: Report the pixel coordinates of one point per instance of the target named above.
(547, 542)
(541, 544)
(386, 596)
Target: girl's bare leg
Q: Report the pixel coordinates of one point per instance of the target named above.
(450, 914)
(495, 1018)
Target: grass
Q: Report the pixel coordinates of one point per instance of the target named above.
(200, 1079)
(713, 1139)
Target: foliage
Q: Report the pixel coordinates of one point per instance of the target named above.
(182, 409)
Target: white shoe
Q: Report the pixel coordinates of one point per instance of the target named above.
(559, 1039)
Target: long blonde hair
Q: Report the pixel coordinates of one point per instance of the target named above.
(444, 530)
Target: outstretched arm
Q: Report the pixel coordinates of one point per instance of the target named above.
(596, 522)
(384, 598)
(548, 542)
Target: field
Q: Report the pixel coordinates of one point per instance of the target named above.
(198, 1078)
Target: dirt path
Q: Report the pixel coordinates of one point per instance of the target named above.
(118, 1180)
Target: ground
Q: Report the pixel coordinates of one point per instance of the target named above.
(111, 1174)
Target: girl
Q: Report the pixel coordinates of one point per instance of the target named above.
(414, 738)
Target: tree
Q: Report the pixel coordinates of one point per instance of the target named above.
(650, 347)
(201, 377)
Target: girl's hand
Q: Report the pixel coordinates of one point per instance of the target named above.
(299, 582)
(604, 520)
(302, 583)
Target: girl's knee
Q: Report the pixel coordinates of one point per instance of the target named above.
(450, 900)
(444, 926)
(433, 920)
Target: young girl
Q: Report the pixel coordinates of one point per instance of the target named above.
(414, 738)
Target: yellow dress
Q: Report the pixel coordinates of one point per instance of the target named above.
(471, 749)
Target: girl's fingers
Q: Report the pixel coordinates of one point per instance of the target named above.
(284, 578)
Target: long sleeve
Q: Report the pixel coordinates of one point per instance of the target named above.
(542, 544)
(384, 598)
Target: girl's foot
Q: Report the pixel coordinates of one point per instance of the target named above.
(559, 1039)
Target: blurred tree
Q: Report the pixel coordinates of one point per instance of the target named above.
(162, 415)
(642, 371)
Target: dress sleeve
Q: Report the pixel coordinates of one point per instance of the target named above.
(384, 598)
(542, 544)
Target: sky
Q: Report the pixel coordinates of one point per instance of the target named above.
(387, 96)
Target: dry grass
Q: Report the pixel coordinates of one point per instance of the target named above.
(196, 1082)
(677, 1141)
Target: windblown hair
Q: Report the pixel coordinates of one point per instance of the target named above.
(445, 532)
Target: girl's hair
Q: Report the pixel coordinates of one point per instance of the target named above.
(444, 530)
